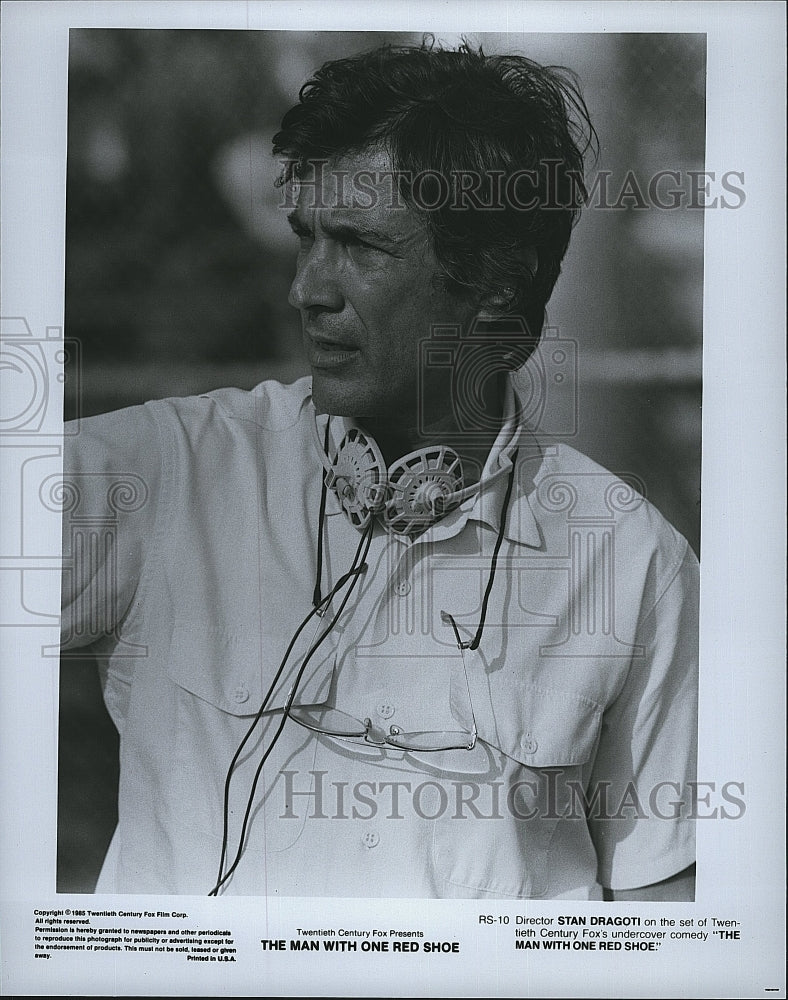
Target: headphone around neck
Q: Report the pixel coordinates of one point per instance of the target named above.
(409, 497)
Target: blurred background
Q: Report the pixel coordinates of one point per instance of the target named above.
(179, 260)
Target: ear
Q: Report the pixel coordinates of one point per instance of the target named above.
(508, 335)
(502, 299)
(496, 304)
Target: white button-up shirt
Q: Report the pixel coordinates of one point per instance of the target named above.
(190, 543)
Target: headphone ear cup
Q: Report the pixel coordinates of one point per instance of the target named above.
(422, 488)
(358, 477)
(409, 497)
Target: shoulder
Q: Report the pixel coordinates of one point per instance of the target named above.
(271, 405)
(573, 492)
(234, 439)
(209, 435)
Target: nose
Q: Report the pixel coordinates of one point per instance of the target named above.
(317, 283)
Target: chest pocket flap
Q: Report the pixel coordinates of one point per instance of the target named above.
(540, 726)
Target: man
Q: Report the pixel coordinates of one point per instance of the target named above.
(366, 634)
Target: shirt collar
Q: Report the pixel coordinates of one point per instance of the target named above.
(486, 505)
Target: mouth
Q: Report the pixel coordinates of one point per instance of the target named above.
(326, 353)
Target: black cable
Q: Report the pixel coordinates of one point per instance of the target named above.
(354, 572)
(252, 727)
(326, 601)
(474, 644)
(317, 609)
(316, 598)
(319, 606)
(357, 567)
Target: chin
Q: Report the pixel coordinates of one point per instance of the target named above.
(333, 398)
(359, 401)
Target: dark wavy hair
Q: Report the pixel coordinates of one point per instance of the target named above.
(453, 113)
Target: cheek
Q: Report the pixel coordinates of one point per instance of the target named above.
(400, 311)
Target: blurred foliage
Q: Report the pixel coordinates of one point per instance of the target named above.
(159, 265)
(156, 264)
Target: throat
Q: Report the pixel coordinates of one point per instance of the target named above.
(472, 444)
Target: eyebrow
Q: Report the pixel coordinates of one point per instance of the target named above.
(345, 228)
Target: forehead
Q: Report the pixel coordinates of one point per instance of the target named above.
(358, 189)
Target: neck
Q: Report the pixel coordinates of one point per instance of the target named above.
(400, 436)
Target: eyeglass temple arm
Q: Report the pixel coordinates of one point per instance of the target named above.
(461, 645)
(446, 618)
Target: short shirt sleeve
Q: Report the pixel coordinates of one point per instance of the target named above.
(111, 489)
(641, 819)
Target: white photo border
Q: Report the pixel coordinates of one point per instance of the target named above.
(741, 864)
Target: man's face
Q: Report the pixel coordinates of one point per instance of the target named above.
(367, 290)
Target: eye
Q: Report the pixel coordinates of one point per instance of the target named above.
(361, 248)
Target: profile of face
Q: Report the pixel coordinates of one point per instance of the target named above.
(368, 288)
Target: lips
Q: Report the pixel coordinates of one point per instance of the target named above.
(325, 352)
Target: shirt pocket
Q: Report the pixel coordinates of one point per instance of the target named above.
(220, 680)
(530, 825)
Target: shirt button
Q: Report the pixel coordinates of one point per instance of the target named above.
(370, 839)
(241, 694)
(403, 588)
(529, 744)
(385, 711)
